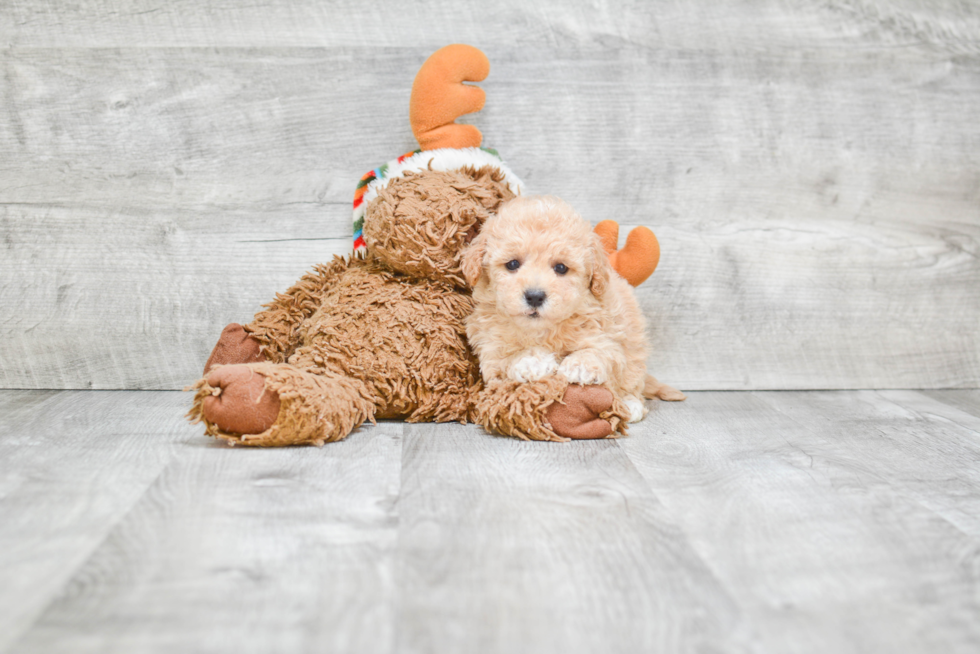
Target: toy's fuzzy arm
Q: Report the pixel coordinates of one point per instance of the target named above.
(550, 410)
(638, 258)
(439, 97)
(277, 327)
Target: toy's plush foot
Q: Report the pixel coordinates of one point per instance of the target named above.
(577, 415)
(274, 404)
(235, 345)
(240, 402)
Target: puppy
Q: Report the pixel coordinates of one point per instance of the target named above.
(547, 300)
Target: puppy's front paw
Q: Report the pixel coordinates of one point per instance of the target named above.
(533, 367)
(580, 371)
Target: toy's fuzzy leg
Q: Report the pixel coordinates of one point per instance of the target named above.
(277, 327)
(313, 408)
(526, 410)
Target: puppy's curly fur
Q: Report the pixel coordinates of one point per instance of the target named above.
(548, 302)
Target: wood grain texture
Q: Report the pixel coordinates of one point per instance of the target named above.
(235, 550)
(926, 449)
(511, 546)
(807, 522)
(72, 465)
(552, 23)
(108, 297)
(829, 517)
(811, 170)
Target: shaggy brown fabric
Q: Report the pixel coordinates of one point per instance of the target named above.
(419, 223)
(234, 345)
(403, 338)
(277, 328)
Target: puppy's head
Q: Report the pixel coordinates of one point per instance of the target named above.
(537, 261)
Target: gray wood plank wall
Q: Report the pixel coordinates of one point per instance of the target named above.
(812, 170)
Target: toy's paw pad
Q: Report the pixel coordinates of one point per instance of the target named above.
(638, 409)
(242, 404)
(577, 416)
(533, 367)
(235, 345)
(577, 371)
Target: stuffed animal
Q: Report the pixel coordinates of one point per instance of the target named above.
(379, 334)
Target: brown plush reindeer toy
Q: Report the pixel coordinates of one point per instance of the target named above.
(380, 334)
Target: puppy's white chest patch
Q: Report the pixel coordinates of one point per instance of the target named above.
(533, 367)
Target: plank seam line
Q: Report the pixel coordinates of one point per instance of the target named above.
(70, 576)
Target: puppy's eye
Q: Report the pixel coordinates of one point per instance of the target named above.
(513, 264)
(561, 268)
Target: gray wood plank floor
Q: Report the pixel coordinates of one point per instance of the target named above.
(763, 522)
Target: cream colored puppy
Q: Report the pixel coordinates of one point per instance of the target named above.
(547, 301)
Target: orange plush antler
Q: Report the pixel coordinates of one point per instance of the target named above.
(638, 258)
(439, 97)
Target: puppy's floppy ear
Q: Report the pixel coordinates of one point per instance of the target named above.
(601, 268)
(472, 266)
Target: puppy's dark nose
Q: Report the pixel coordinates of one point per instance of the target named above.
(534, 297)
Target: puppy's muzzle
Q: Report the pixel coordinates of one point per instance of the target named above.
(535, 297)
